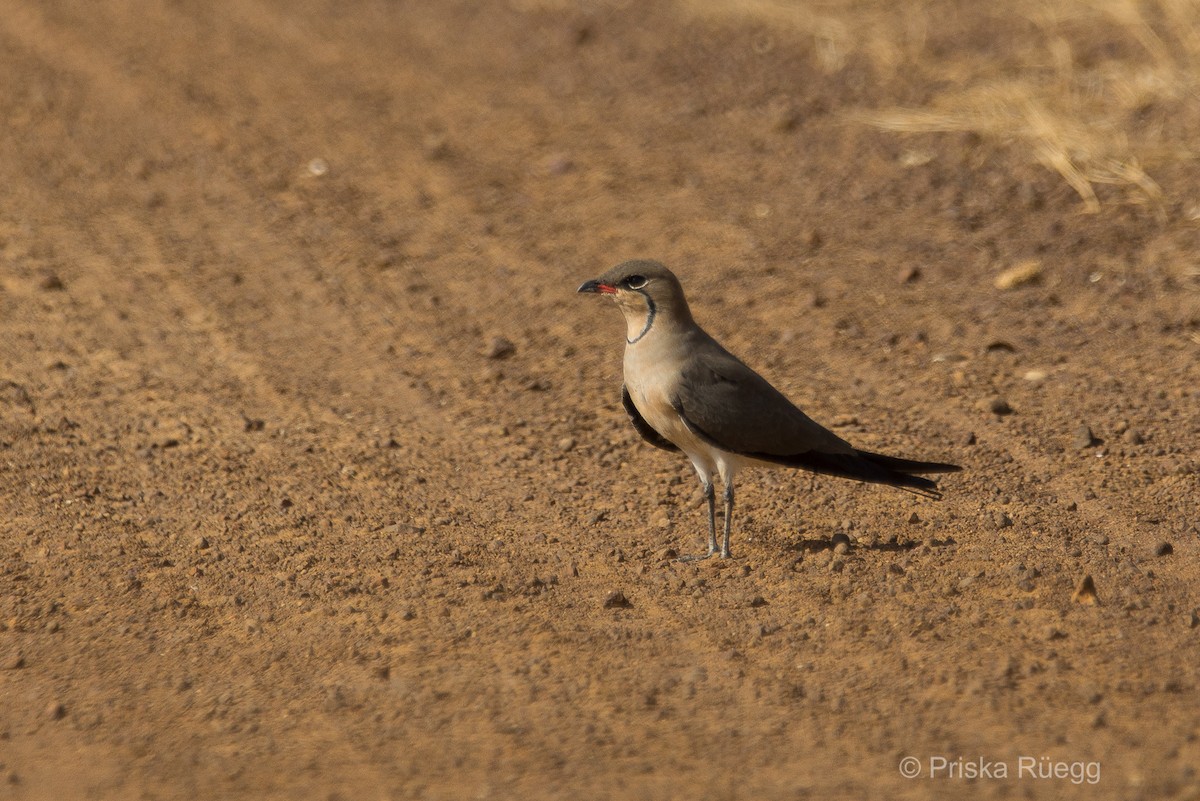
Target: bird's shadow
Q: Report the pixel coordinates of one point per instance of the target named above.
(814, 544)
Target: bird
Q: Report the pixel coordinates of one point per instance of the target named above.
(686, 393)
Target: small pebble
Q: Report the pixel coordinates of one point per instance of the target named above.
(1164, 549)
(499, 348)
(996, 405)
(1083, 437)
(1133, 437)
(51, 283)
(566, 444)
(1020, 274)
(56, 711)
(616, 600)
(1085, 592)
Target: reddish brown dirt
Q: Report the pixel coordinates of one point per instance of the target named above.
(276, 524)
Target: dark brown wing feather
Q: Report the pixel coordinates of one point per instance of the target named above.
(733, 408)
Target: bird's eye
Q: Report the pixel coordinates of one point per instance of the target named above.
(635, 281)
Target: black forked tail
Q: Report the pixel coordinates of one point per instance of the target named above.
(874, 468)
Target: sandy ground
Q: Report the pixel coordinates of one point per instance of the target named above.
(314, 478)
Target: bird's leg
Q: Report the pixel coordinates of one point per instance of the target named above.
(711, 497)
(728, 519)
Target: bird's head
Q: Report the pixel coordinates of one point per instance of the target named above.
(646, 292)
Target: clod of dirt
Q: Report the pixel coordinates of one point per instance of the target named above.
(1083, 438)
(1085, 592)
(616, 600)
(499, 348)
(1021, 274)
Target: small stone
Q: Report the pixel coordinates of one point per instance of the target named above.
(566, 444)
(200, 543)
(841, 548)
(908, 275)
(996, 405)
(499, 348)
(1133, 437)
(1085, 592)
(1083, 438)
(56, 711)
(13, 661)
(840, 540)
(667, 554)
(1193, 619)
(1054, 633)
(914, 518)
(758, 601)
(1164, 549)
(51, 283)
(1020, 274)
(1100, 539)
(616, 600)
(1001, 519)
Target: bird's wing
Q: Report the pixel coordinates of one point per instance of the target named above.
(734, 408)
(642, 427)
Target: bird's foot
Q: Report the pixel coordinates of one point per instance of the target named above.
(700, 557)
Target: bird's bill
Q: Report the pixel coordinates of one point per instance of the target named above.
(598, 287)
